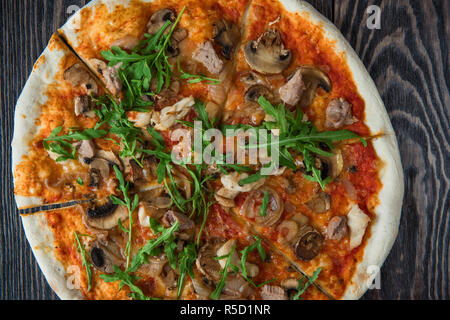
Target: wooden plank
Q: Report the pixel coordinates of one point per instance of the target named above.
(408, 59)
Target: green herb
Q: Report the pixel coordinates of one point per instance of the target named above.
(302, 285)
(215, 295)
(151, 248)
(245, 252)
(250, 179)
(131, 206)
(196, 78)
(126, 279)
(63, 144)
(80, 182)
(265, 203)
(298, 136)
(87, 265)
(186, 260)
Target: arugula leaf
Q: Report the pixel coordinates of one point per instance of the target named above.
(151, 248)
(131, 206)
(62, 145)
(186, 260)
(126, 279)
(87, 265)
(215, 295)
(265, 203)
(196, 78)
(302, 286)
(80, 182)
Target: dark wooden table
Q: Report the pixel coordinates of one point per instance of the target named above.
(409, 59)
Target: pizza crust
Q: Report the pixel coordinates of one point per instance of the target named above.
(385, 225)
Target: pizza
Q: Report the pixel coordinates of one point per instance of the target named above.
(205, 150)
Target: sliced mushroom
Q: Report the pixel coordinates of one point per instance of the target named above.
(236, 287)
(146, 211)
(106, 215)
(226, 248)
(101, 166)
(267, 54)
(337, 228)
(338, 114)
(312, 78)
(77, 75)
(269, 292)
(320, 203)
(110, 156)
(168, 277)
(252, 206)
(110, 74)
(86, 149)
(309, 243)
(158, 19)
(331, 166)
(226, 35)
(256, 91)
(289, 284)
(83, 105)
(105, 257)
(206, 262)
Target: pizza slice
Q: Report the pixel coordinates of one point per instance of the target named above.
(57, 137)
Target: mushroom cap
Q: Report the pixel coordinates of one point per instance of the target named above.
(226, 35)
(320, 203)
(309, 243)
(332, 166)
(206, 263)
(158, 19)
(312, 77)
(106, 215)
(267, 54)
(256, 91)
(105, 257)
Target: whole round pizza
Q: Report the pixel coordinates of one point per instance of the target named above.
(214, 149)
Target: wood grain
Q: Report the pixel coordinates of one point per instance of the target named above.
(409, 60)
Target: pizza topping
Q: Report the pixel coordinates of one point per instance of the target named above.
(254, 92)
(159, 19)
(313, 78)
(206, 263)
(235, 287)
(331, 166)
(77, 75)
(105, 257)
(110, 74)
(269, 292)
(253, 203)
(320, 203)
(85, 149)
(292, 91)
(83, 105)
(110, 156)
(309, 243)
(339, 113)
(186, 225)
(168, 116)
(337, 228)
(267, 54)
(357, 222)
(149, 210)
(128, 42)
(252, 269)
(98, 168)
(226, 35)
(287, 230)
(232, 182)
(206, 55)
(106, 216)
